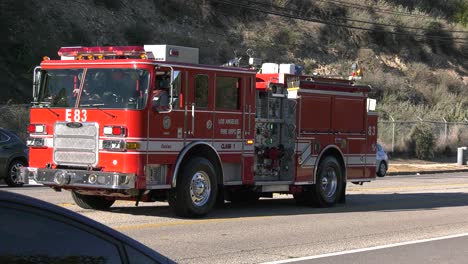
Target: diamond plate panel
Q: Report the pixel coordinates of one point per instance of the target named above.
(76, 146)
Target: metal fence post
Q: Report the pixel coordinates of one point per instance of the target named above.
(446, 129)
(393, 134)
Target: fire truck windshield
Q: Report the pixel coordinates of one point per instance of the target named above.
(117, 88)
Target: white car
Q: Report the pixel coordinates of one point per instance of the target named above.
(381, 161)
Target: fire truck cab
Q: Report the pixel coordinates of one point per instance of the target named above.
(148, 123)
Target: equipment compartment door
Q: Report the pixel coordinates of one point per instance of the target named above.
(229, 89)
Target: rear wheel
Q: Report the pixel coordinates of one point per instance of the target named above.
(11, 178)
(91, 201)
(196, 189)
(329, 184)
(382, 170)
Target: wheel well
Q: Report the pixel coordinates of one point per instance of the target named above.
(337, 155)
(204, 151)
(23, 159)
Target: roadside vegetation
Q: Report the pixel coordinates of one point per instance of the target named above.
(416, 66)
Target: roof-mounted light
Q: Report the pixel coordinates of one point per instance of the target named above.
(101, 52)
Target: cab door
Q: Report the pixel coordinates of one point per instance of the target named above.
(199, 116)
(166, 129)
(229, 102)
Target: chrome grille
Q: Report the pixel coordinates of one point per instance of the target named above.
(76, 145)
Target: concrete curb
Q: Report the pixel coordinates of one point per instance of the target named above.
(425, 172)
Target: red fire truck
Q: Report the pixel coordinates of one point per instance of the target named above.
(148, 123)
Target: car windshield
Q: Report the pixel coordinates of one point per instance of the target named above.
(104, 88)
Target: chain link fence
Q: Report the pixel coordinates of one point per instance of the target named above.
(395, 135)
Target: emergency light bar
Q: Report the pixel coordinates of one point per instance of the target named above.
(81, 52)
(170, 53)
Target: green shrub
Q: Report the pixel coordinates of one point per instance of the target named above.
(15, 118)
(461, 13)
(423, 141)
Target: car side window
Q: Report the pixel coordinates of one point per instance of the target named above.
(32, 236)
(3, 137)
(135, 256)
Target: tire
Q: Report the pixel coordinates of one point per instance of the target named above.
(382, 170)
(329, 183)
(11, 178)
(91, 201)
(197, 189)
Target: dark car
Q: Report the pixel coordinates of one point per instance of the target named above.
(13, 154)
(35, 231)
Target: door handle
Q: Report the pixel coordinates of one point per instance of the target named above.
(193, 118)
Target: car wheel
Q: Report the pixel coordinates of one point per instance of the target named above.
(382, 169)
(12, 179)
(196, 189)
(91, 201)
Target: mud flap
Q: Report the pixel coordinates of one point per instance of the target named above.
(220, 198)
(342, 199)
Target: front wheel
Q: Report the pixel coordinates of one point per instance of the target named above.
(91, 201)
(12, 178)
(329, 184)
(196, 189)
(382, 170)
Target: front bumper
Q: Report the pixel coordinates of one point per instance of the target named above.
(77, 178)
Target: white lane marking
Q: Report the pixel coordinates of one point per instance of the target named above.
(366, 249)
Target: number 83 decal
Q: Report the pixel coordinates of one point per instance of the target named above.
(76, 115)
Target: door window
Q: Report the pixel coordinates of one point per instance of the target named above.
(34, 237)
(227, 93)
(201, 91)
(3, 137)
(178, 94)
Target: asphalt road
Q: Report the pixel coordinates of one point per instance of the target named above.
(391, 210)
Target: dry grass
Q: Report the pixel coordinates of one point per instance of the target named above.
(396, 168)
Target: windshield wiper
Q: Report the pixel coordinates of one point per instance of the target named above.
(52, 111)
(107, 113)
(47, 106)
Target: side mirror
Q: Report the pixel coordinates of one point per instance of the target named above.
(36, 81)
(174, 76)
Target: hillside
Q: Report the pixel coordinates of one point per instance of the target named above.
(413, 52)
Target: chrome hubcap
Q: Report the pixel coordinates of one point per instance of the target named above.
(200, 188)
(329, 183)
